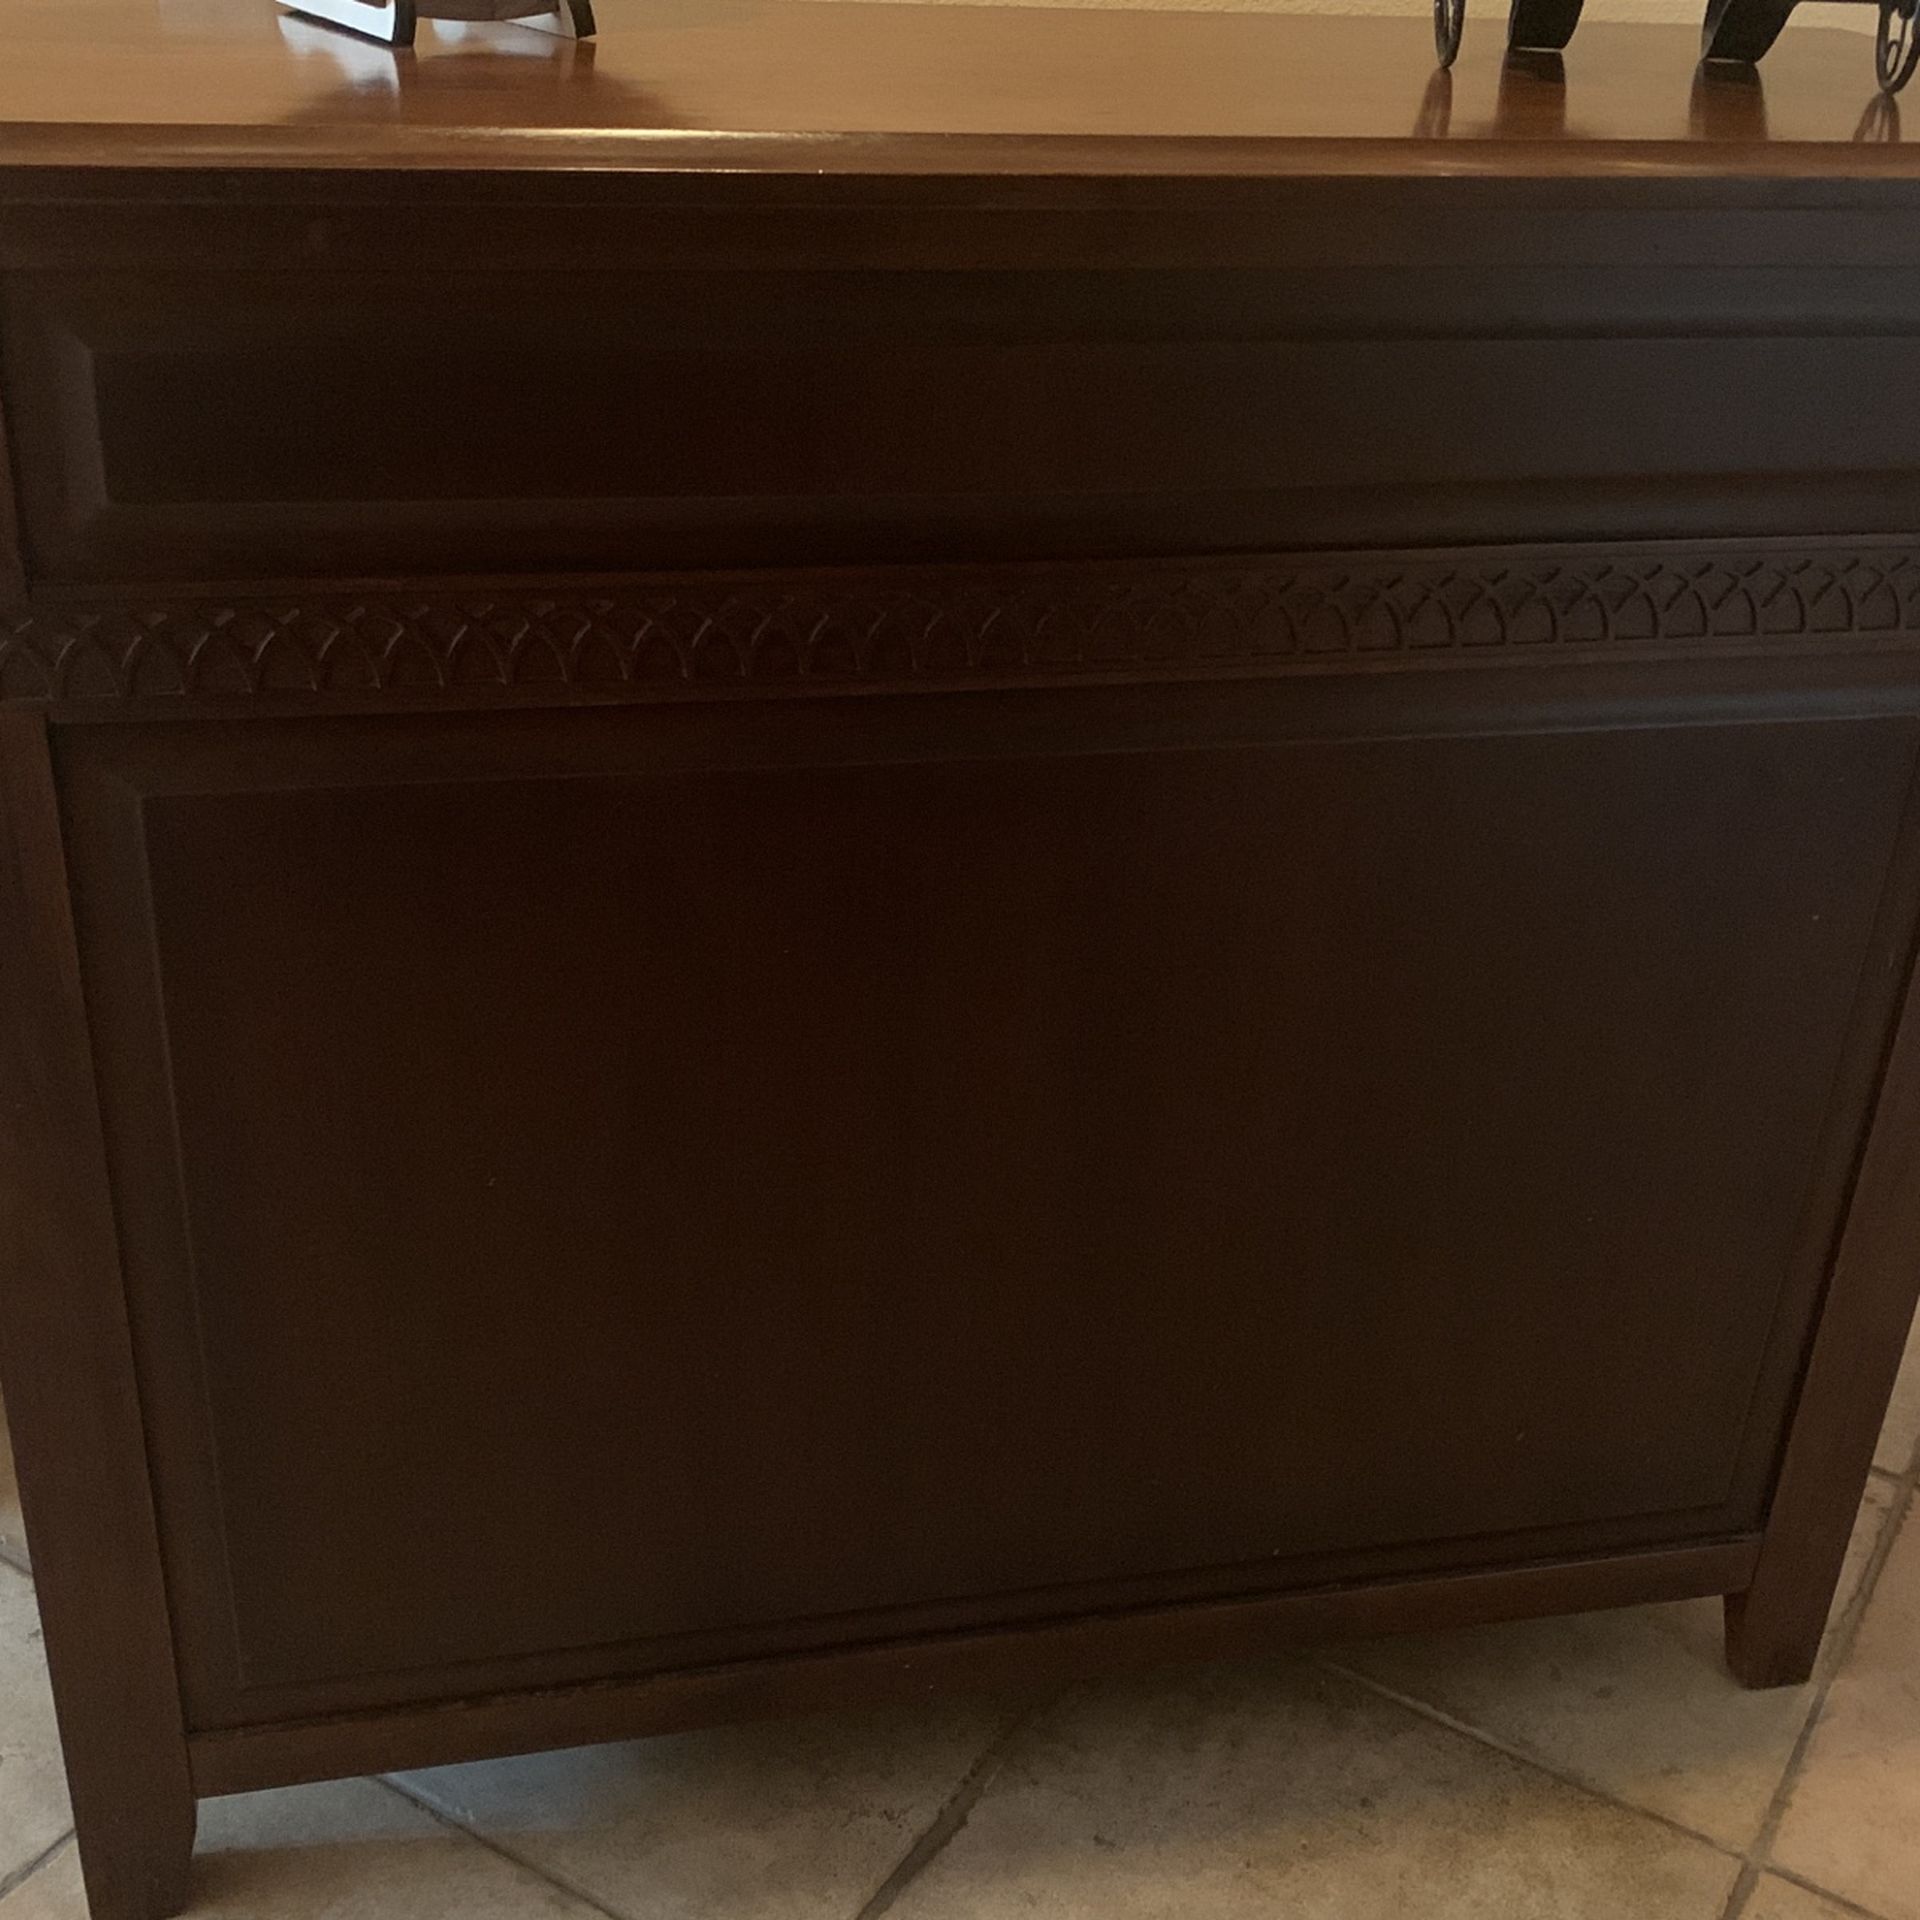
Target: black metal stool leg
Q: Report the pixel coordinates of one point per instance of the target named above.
(1740, 31)
(1542, 26)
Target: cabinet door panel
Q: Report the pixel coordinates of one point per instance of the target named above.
(634, 1185)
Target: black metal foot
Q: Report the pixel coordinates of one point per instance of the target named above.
(1542, 26)
(1740, 31)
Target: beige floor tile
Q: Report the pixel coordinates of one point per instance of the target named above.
(1853, 1823)
(353, 1850)
(1233, 1793)
(13, 1536)
(1637, 1702)
(1777, 1899)
(33, 1787)
(54, 1893)
(1900, 1437)
(787, 1820)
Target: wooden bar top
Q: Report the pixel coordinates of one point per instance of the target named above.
(843, 87)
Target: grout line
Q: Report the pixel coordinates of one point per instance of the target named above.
(1426, 1710)
(955, 1813)
(559, 1882)
(1838, 1642)
(958, 1808)
(1827, 1894)
(21, 1875)
(1745, 1883)
(1833, 1653)
(945, 1824)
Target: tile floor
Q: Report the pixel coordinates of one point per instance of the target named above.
(1602, 1766)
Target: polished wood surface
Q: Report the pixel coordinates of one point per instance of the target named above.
(864, 847)
(809, 85)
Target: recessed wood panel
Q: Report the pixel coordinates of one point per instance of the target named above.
(971, 1175)
(332, 424)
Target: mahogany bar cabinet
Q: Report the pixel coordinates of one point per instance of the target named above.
(850, 848)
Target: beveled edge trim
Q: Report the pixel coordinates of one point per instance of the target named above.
(31, 147)
(443, 1732)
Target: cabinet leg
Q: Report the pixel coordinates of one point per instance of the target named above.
(1773, 1636)
(137, 1860)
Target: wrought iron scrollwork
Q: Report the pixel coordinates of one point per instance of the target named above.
(1740, 33)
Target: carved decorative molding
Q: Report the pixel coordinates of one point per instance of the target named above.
(904, 627)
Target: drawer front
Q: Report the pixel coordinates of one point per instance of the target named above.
(275, 425)
(637, 1188)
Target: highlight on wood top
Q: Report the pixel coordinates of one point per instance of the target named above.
(868, 87)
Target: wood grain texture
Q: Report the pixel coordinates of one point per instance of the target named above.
(861, 90)
(72, 1399)
(977, 993)
(863, 847)
(13, 569)
(262, 426)
(1775, 1625)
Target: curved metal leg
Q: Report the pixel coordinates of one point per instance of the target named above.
(1742, 30)
(1449, 18)
(1896, 45)
(571, 19)
(1542, 26)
